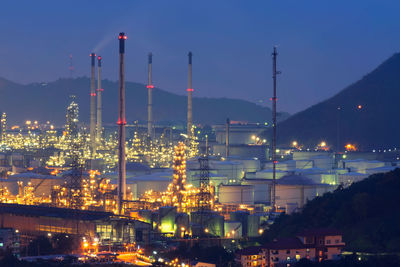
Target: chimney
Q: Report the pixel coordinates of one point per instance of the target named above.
(190, 92)
(92, 107)
(99, 94)
(150, 87)
(121, 126)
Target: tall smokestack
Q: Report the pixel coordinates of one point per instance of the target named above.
(190, 92)
(92, 107)
(274, 158)
(121, 125)
(228, 122)
(99, 93)
(150, 87)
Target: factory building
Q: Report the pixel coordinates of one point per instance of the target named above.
(32, 220)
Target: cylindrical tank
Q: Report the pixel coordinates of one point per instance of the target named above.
(166, 219)
(182, 224)
(250, 165)
(146, 215)
(253, 225)
(211, 222)
(231, 169)
(242, 217)
(236, 194)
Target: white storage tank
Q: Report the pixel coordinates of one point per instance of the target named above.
(282, 165)
(262, 189)
(249, 165)
(324, 162)
(236, 194)
(231, 169)
(156, 182)
(268, 174)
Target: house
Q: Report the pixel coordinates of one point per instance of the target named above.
(251, 256)
(315, 245)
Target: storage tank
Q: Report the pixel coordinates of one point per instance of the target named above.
(10, 184)
(166, 219)
(236, 194)
(231, 169)
(242, 217)
(182, 224)
(324, 162)
(213, 223)
(268, 174)
(249, 165)
(233, 229)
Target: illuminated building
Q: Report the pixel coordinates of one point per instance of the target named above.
(105, 226)
(179, 175)
(3, 127)
(72, 117)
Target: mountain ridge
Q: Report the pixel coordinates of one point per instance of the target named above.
(48, 102)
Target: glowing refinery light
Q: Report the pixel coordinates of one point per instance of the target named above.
(294, 143)
(351, 147)
(323, 144)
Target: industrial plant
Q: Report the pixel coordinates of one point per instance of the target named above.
(133, 186)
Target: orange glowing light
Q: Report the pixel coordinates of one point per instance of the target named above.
(350, 147)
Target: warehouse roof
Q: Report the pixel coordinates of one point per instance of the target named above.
(41, 211)
(33, 175)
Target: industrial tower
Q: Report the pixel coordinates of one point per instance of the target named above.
(99, 126)
(150, 87)
(121, 125)
(274, 159)
(72, 119)
(179, 175)
(92, 106)
(190, 93)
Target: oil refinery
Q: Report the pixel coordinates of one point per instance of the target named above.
(119, 192)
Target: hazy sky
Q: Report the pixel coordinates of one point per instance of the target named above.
(323, 45)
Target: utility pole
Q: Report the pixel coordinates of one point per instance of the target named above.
(274, 161)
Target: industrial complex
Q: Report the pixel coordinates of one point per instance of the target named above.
(137, 185)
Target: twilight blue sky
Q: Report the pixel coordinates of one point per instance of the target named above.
(323, 45)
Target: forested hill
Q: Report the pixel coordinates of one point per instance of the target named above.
(368, 213)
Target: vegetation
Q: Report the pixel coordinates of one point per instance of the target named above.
(355, 261)
(368, 213)
(213, 254)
